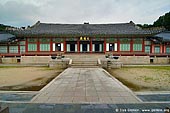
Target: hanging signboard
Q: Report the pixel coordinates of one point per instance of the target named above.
(84, 38)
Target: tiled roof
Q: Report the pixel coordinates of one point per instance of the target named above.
(164, 35)
(5, 37)
(83, 29)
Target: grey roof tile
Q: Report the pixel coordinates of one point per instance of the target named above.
(4, 37)
(164, 35)
(84, 29)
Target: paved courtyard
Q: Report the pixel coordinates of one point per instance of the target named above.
(85, 85)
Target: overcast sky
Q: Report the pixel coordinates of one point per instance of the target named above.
(28, 12)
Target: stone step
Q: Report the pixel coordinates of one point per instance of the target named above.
(80, 56)
(84, 66)
(85, 59)
(87, 62)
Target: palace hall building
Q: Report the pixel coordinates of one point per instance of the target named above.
(122, 39)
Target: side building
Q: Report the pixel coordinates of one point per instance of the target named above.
(124, 39)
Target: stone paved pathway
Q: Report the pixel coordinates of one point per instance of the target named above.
(85, 85)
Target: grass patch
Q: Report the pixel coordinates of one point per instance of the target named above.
(131, 85)
(143, 78)
(147, 79)
(10, 67)
(34, 84)
(21, 66)
(151, 67)
(30, 87)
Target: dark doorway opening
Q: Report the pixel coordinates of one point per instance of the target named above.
(97, 47)
(151, 61)
(111, 47)
(58, 47)
(84, 47)
(72, 47)
(18, 60)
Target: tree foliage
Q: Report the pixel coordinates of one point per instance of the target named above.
(2, 27)
(163, 21)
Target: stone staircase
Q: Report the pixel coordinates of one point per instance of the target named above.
(85, 61)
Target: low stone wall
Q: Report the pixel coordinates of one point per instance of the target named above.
(119, 61)
(46, 59)
(11, 60)
(35, 59)
(135, 59)
(59, 63)
(159, 60)
(110, 63)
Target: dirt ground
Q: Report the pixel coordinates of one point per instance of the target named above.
(26, 78)
(144, 78)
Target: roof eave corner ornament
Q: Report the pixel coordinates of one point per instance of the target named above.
(131, 22)
(36, 24)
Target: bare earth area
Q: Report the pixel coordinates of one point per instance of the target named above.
(144, 78)
(26, 78)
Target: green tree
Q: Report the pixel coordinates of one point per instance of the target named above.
(163, 21)
(2, 27)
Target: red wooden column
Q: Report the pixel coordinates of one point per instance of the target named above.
(163, 48)
(51, 44)
(131, 45)
(26, 45)
(91, 45)
(104, 45)
(8, 48)
(151, 48)
(78, 46)
(143, 45)
(118, 45)
(160, 46)
(65, 46)
(38, 44)
(18, 47)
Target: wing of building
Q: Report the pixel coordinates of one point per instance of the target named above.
(122, 39)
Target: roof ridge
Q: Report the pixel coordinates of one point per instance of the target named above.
(82, 24)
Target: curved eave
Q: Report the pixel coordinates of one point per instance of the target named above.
(166, 40)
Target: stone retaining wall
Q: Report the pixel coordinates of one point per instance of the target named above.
(119, 61)
(124, 59)
(135, 59)
(110, 63)
(10, 60)
(59, 63)
(35, 59)
(161, 60)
